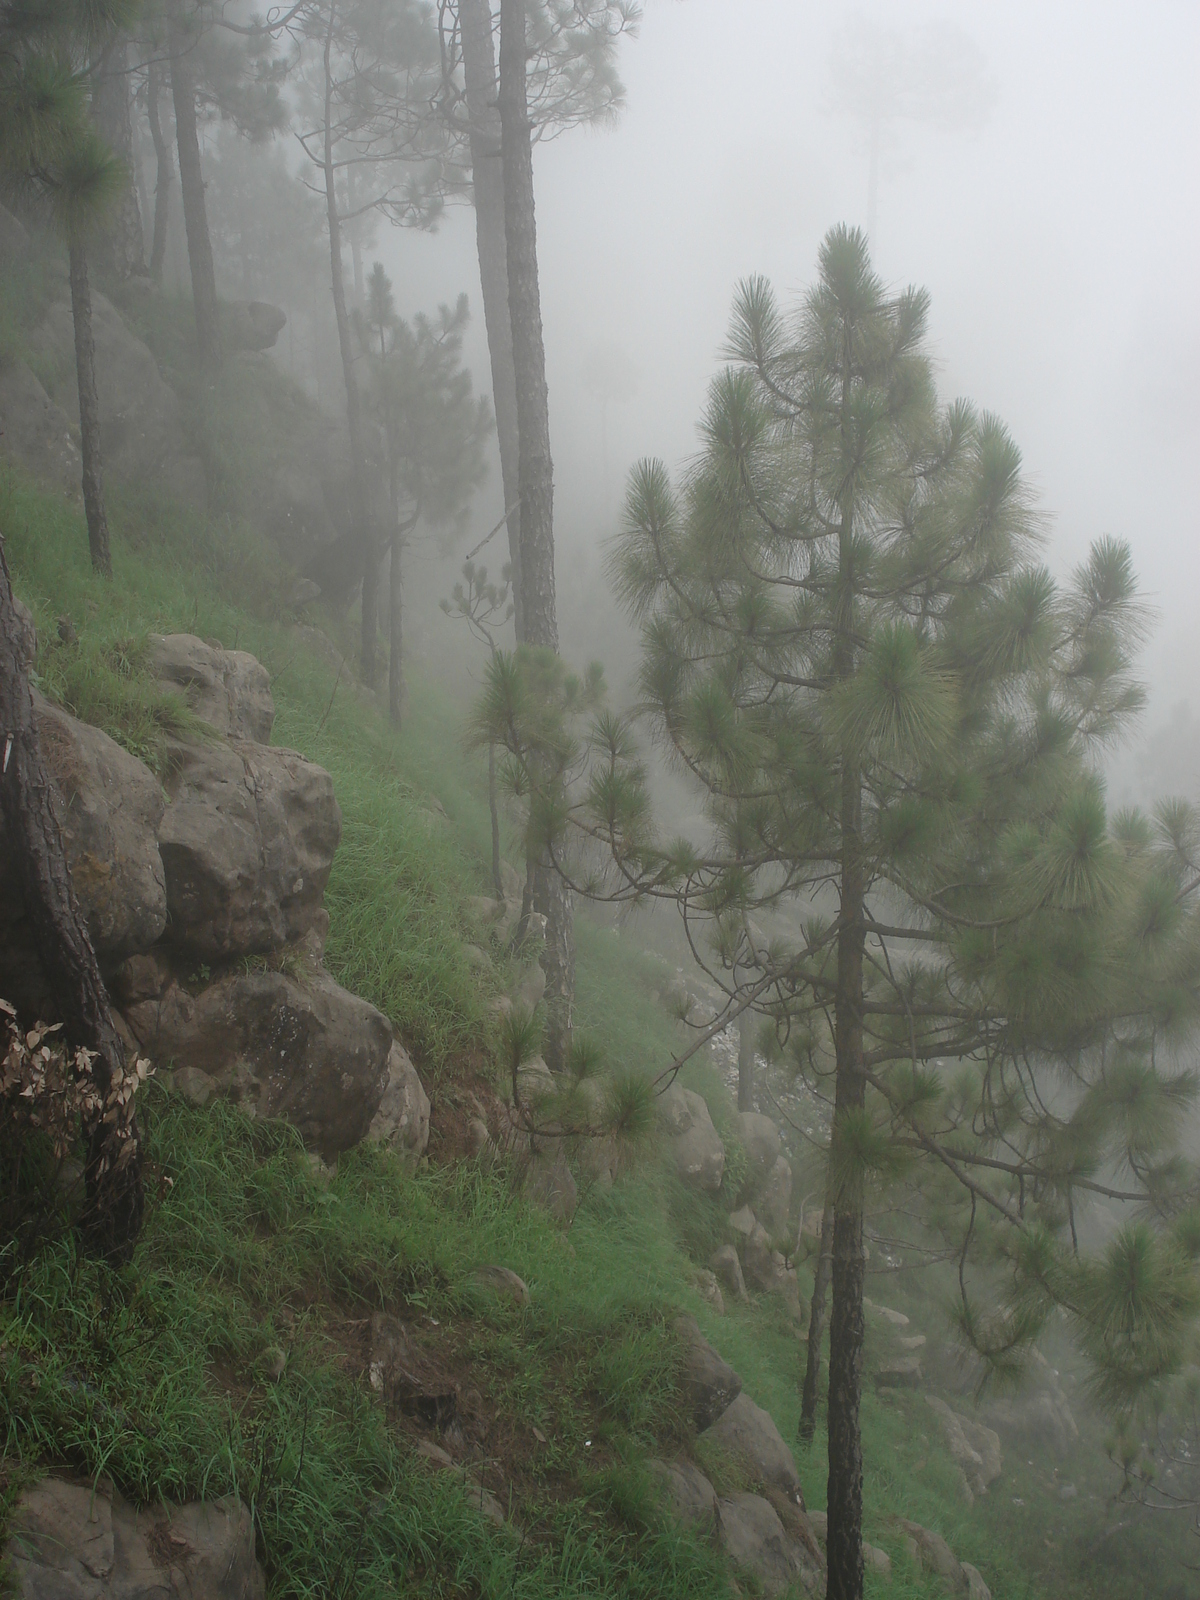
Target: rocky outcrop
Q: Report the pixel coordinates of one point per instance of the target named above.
(695, 1146)
(75, 1542)
(402, 1121)
(110, 807)
(974, 1448)
(35, 432)
(709, 1383)
(748, 1435)
(228, 689)
(760, 1140)
(1042, 1417)
(774, 1202)
(247, 842)
(728, 1270)
(687, 1494)
(141, 423)
(931, 1553)
(252, 324)
(302, 1048)
(756, 1540)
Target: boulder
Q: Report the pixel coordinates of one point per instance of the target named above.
(301, 1048)
(247, 842)
(481, 1499)
(252, 324)
(503, 1282)
(708, 1382)
(976, 1588)
(904, 1372)
(142, 433)
(35, 432)
(747, 1434)
(895, 1319)
(709, 1289)
(974, 1448)
(109, 806)
(687, 1494)
(756, 1540)
(760, 1140)
(728, 1269)
(72, 1542)
(695, 1146)
(228, 689)
(402, 1121)
(758, 1260)
(775, 1198)
(743, 1221)
(931, 1552)
(874, 1559)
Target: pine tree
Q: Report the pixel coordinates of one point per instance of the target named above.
(891, 711)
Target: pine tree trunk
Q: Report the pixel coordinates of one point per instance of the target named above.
(494, 813)
(816, 1330)
(550, 895)
(364, 534)
(844, 1490)
(191, 187)
(120, 240)
(395, 633)
(164, 173)
(113, 1172)
(487, 181)
(89, 413)
(745, 1095)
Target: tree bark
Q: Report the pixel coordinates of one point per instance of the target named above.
(364, 534)
(113, 1171)
(89, 413)
(816, 1330)
(487, 181)
(191, 187)
(844, 1490)
(745, 1095)
(121, 244)
(164, 173)
(535, 474)
(494, 813)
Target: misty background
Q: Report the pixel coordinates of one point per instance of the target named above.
(1036, 170)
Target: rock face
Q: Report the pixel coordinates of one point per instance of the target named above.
(36, 432)
(110, 806)
(974, 1448)
(141, 423)
(695, 1146)
(687, 1493)
(247, 842)
(710, 1383)
(228, 689)
(748, 1434)
(775, 1199)
(307, 1050)
(68, 1543)
(758, 1260)
(755, 1539)
(760, 1140)
(402, 1121)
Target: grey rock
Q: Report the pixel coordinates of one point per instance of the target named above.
(528, 993)
(896, 1319)
(747, 1434)
(109, 806)
(689, 1497)
(1043, 1417)
(402, 1121)
(709, 1382)
(247, 842)
(728, 1269)
(902, 1373)
(933, 1554)
(760, 1140)
(483, 1500)
(68, 1542)
(14, 238)
(503, 1282)
(709, 1290)
(874, 1559)
(743, 1221)
(963, 1438)
(142, 434)
(758, 1260)
(228, 689)
(281, 1047)
(976, 1588)
(775, 1198)
(37, 433)
(252, 324)
(755, 1539)
(696, 1148)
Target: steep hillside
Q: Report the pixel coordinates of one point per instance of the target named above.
(341, 1345)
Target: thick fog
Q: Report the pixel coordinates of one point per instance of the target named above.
(1043, 187)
